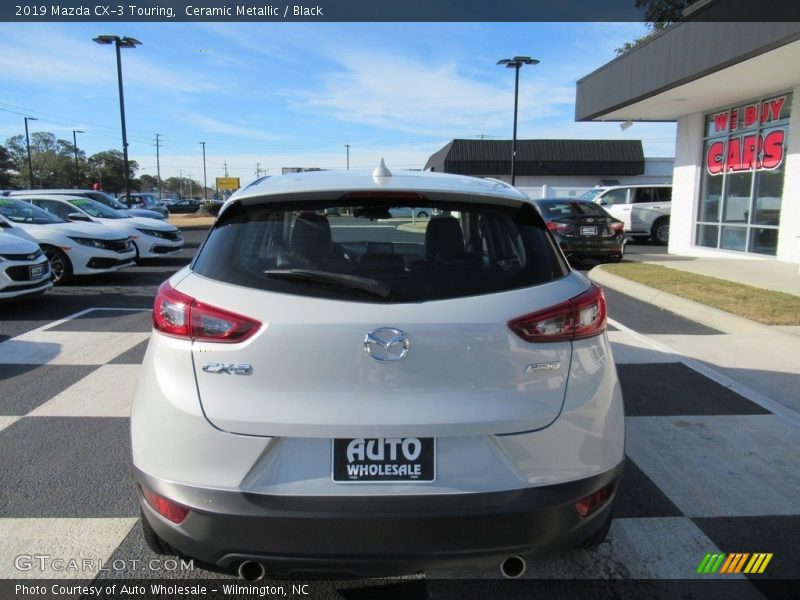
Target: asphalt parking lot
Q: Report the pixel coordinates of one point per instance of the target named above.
(710, 468)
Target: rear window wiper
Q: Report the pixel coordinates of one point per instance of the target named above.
(364, 284)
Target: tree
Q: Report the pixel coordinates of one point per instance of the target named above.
(148, 183)
(658, 14)
(7, 168)
(53, 161)
(107, 168)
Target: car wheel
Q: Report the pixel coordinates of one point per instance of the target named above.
(155, 543)
(598, 537)
(422, 215)
(660, 231)
(60, 266)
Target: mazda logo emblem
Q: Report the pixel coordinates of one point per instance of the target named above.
(386, 344)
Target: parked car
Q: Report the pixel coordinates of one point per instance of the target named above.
(99, 196)
(24, 269)
(72, 248)
(151, 238)
(184, 206)
(405, 212)
(583, 229)
(146, 201)
(644, 209)
(371, 400)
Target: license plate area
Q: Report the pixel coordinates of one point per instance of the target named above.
(380, 460)
(588, 230)
(35, 271)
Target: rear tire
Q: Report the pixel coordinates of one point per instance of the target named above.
(155, 543)
(660, 231)
(60, 265)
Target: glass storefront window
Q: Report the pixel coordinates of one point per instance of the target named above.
(743, 171)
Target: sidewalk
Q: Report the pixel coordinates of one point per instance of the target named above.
(762, 357)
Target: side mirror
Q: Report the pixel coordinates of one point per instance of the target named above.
(4, 225)
(79, 217)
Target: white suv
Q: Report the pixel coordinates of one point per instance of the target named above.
(645, 209)
(374, 396)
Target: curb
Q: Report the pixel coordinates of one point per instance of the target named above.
(688, 309)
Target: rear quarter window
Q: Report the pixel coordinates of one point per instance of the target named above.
(459, 249)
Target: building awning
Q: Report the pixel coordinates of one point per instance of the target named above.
(689, 68)
(492, 158)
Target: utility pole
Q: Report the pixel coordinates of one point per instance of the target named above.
(158, 165)
(180, 171)
(205, 185)
(226, 168)
(258, 170)
(75, 147)
(28, 144)
(348, 155)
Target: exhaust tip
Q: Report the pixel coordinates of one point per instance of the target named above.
(251, 571)
(513, 567)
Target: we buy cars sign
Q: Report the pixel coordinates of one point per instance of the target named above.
(747, 151)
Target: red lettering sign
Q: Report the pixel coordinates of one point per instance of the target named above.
(735, 118)
(746, 152)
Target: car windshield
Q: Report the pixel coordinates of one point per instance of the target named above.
(366, 254)
(591, 194)
(554, 209)
(104, 198)
(18, 211)
(95, 209)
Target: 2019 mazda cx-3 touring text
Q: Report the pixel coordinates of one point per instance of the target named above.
(372, 395)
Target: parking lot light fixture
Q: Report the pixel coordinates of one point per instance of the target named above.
(28, 145)
(121, 42)
(516, 63)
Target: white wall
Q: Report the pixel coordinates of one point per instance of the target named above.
(686, 183)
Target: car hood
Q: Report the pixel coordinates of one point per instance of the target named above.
(20, 234)
(140, 212)
(95, 230)
(11, 243)
(146, 223)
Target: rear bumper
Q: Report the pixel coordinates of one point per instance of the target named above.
(376, 535)
(593, 247)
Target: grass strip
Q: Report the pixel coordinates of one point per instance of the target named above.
(757, 304)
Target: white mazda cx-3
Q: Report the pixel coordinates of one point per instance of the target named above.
(374, 395)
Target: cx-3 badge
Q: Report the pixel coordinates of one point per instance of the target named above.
(228, 368)
(386, 344)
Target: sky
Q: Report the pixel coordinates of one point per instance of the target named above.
(274, 95)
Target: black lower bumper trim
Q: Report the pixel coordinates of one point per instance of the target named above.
(377, 535)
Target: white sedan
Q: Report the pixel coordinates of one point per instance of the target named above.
(24, 269)
(71, 248)
(151, 238)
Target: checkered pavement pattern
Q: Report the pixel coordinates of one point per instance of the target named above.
(708, 469)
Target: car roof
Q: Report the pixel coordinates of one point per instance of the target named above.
(632, 185)
(380, 179)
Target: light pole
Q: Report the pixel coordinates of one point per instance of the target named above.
(158, 165)
(516, 63)
(121, 42)
(28, 144)
(348, 155)
(75, 147)
(205, 188)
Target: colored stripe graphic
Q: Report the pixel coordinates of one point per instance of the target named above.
(735, 563)
(711, 563)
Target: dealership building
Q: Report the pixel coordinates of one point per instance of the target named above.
(734, 90)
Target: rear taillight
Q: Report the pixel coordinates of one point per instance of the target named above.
(179, 315)
(616, 226)
(166, 508)
(586, 506)
(580, 317)
(556, 226)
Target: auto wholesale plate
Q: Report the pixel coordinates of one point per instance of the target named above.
(380, 460)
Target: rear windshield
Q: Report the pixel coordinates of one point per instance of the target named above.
(380, 252)
(554, 209)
